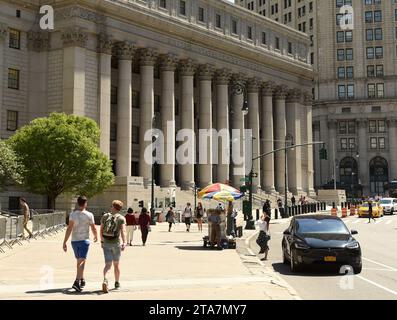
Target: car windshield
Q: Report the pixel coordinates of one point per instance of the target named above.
(365, 205)
(385, 201)
(333, 226)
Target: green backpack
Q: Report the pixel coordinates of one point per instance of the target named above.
(110, 226)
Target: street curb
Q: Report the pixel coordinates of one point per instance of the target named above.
(280, 281)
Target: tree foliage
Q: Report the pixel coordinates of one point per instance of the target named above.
(10, 168)
(61, 155)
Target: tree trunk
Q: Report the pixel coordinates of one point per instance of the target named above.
(51, 202)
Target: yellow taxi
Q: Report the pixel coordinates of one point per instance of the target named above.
(377, 210)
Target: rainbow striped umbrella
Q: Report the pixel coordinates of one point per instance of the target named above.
(220, 192)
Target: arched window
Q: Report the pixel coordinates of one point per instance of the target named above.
(348, 172)
(378, 175)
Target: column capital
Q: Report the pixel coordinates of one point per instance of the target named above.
(124, 50)
(362, 122)
(3, 32)
(223, 76)
(238, 78)
(331, 123)
(392, 122)
(74, 37)
(38, 41)
(253, 85)
(294, 95)
(307, 98)
(187, 67)
(206, 71)
(104, 44)
(268, 88)
(281, 92)
(147, 56)
(168, 62)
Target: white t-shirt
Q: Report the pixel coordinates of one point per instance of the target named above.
(82, 221)
(187, 213)
(262, 225)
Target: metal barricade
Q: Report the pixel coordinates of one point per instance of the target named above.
(42, 225)
(50, 223)
(19, 231)
(3, 234)
(36, 226)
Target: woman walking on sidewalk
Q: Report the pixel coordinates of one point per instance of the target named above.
(263, 237)
(144, 225)
(131, 225)
(200, 214)
(170, 218)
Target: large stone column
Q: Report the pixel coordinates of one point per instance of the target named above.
(168, 65)
(3, 36)
(392, 124)
(105, 70)
(308, 102)
(267, 137)
(147, 58)
(74, 42)
(237, 125)
(124, 53)
(205, 73)
(293, 112)
(187, 70)
(222, 124)
(253, 124)
(363, 169)
(280, 134)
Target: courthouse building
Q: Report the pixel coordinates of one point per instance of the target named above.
(355, 107)
(134, 64)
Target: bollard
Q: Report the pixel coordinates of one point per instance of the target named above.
(344, 212)
(348, 205)
(299, 209)
(294, 210)
(352, 210)
(257, 214)
(290, 212)
(334, 212)
(276, 214)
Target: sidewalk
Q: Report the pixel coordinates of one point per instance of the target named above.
(171, 266)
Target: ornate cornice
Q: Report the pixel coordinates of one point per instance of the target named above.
(294, 95)
(38, 41)
(124, 50)
(238, 78)
(78, 12)
(187, 67)
(168, 62)
(268, 88)
(222, 76)
(281, 92)
(206, 71)
(147, 56)
(74, 37)
(104, 44)
(253, 85)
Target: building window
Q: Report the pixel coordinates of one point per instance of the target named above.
(381, 143)
(12, 120)
(342, 127)
(370, 71)
(234, 26)
(371, 91)
(135, 134)
(182, 7)
(379, 52)
(135, 99)
(14, 39)
(134, 169)
(341, 72)
(346, 110)
(380, 90)
(370, 53)
(289, 47)
(343, 144)
(379, 70)
(249, 33)
(13, 79)
(218, 21)
(201, 17)
(349, 54)
(372, 126)
(349, 72)
(341, 92)
(341, 54)
(277, 43)
(264, 40)
(163, 4)
(381, 126)
(350, 91)
(373, 143)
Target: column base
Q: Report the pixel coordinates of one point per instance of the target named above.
(168, 184)
(296, 191)
(187, 185)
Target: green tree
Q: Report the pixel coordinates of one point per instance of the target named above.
(10, 168)
(61, 155)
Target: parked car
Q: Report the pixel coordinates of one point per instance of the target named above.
(377, 210)
(389, 205)
(320, 240)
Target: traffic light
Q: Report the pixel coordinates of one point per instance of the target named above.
(141, 204)
(173, 204)
(323, 154)
(243, 188)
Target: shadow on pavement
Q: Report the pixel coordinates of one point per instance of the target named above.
(311, 271)
(196, 248)
(66, 291)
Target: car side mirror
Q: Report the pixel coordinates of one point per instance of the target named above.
(286, 232)
(354, 232)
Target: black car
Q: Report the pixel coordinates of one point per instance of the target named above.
(320, 240)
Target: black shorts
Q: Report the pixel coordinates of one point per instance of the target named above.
(188, 220)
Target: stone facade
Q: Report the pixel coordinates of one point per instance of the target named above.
(123, 62)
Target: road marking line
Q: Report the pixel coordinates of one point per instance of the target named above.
(378, 285)
(357, 221)
(380, 264)
(378, 221)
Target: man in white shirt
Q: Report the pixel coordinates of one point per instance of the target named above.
(80, 222)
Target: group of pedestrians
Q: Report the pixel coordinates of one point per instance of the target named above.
(187, 215)
(115, 233)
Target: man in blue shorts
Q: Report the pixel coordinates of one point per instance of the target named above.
(80, 222)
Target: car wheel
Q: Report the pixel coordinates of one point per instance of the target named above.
(294, 266)
(357, 269)
(285, 259)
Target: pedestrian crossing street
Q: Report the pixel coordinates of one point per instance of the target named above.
(385, 220)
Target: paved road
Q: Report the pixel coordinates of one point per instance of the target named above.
(378, 279)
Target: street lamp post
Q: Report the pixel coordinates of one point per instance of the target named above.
(152, 213)
(288, 138)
